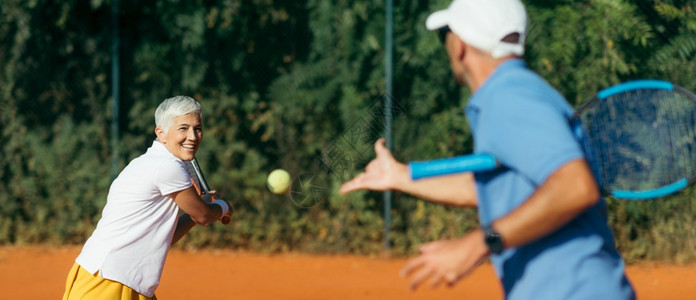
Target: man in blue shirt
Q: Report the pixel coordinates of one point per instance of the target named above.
(543, 221)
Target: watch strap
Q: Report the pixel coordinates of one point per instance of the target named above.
(492, 239)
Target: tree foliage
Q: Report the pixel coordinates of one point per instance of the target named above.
(298, 85)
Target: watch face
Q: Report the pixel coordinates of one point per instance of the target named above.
(493, 240)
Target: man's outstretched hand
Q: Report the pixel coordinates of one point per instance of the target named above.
(381, 174)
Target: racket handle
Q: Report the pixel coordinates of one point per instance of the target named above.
(446, 166)
(226, 218)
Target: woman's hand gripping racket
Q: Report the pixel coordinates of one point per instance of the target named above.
(639, 138)
(205, 189)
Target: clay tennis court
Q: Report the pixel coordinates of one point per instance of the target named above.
(39, 273)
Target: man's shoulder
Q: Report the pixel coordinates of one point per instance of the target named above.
(522, 79)
(522, 84)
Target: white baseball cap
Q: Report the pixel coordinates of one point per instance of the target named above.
(484, 23)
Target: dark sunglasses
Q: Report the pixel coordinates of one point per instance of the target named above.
(442, 33)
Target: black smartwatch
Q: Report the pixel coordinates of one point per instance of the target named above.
(492, 239)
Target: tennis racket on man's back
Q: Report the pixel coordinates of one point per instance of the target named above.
(640, 141)
(202, 185)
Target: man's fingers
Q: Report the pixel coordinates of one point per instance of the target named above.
(381, 148)
(352, 185)
(435, 280)
(429, 247)
(452, 278)
(374, 177)
(419, 276)
(411, 266)
(372, 166)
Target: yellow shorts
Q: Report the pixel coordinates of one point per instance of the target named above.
(83, 285)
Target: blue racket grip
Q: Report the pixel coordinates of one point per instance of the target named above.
(453, 165)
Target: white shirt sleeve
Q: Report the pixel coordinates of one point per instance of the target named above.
(172, 176)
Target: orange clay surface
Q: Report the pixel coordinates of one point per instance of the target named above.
(39, 273)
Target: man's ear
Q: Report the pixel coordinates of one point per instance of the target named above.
(463, 47)
(456, 48)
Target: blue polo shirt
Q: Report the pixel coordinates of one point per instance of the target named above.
(524, 122)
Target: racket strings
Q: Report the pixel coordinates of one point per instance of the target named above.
(687, 133)
(678, 128)
(641, 139)
(675, 130)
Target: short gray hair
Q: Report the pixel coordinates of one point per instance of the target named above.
(173, 107)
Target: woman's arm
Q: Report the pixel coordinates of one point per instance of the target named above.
(200, 211)
(183, 225)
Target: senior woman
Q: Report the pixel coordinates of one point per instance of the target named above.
(124, 257)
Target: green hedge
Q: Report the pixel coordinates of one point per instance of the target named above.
(285, 84)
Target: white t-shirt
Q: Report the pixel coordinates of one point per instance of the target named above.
(131, 241)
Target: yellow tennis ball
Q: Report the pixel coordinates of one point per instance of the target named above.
(278, 181)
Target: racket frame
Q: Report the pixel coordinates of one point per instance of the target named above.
(481, 162)
(205, 188)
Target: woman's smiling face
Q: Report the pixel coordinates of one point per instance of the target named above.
(183, 137)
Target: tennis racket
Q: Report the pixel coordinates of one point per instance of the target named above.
(202, 185)
(639, 140)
